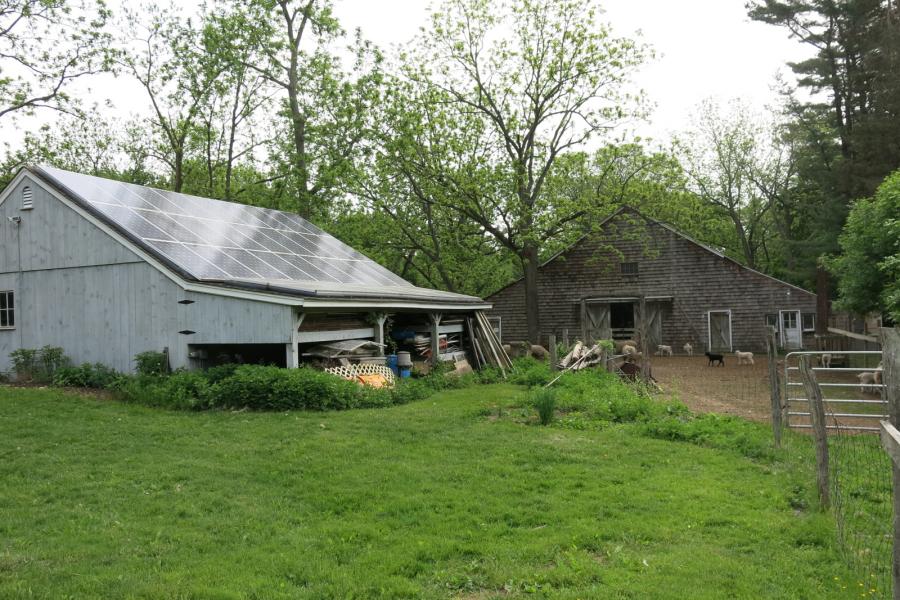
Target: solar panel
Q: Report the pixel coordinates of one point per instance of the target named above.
(211, 239)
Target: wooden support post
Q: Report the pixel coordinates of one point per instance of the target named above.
(891, 378)
(379, 319)
(584, 331)
(554, 357)
(645, 346)
(774, 388)
(293, 351)
(435, 338)
(817, 417)
(566, 339)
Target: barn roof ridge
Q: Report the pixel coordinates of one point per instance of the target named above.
(628, 208)
(355, 277)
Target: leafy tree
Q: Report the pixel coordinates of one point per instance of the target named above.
(868, 269)
(45, 45)
(165, 54)
(496, 112)
(325, 109)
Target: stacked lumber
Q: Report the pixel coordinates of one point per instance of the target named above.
(582, 357)
(486, 348)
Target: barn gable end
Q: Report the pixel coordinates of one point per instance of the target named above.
(683, 281)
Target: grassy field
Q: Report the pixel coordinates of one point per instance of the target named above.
(436, 499)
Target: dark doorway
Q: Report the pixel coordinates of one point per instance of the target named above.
(621, 320)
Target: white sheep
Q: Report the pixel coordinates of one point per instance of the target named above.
(663, 350)
(825, 360)
(688, 349)
(628, 349)
(868, 381)
(744, 358)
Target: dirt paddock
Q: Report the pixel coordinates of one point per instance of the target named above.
(741, 390)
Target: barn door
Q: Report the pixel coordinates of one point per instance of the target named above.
(654, 325)
(597, 325)
(719, 331)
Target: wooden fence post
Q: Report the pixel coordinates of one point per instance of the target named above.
(554, 357)
(890, 339)
(566, 339)
(645, 346)
(817, 417)
(774, 389)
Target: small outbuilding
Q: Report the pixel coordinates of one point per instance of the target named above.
(107, 270)
(693, 292)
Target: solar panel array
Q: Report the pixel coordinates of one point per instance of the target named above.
(211, 239)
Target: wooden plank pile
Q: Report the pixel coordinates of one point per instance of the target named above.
(582, 357)
(486, 348)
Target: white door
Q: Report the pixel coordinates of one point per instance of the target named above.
(719, 326)
(791, 334)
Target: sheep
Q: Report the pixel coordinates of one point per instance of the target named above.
(825, 360)
(688, 349)
(620, 345)
(868, 381)
(633, 357)
(628, 349)
(744, 358)
(663, 350)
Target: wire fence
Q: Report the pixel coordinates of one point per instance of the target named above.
(859, 470)
(862, 504)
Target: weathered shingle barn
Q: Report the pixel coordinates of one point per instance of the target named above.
(694, 293)
(106, 270)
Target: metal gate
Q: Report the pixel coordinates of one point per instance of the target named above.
(854, 404)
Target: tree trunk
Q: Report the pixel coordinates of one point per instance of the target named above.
(532, 314)
(178, 182)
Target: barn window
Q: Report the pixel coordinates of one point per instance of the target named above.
(772, 321)
(7, 310)
(809, 321)
(27, 198)
(629, 268)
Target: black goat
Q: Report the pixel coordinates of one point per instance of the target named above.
(714, 358)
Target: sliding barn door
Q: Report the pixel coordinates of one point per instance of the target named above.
(654, 325)
(597, 325)
(720, 331)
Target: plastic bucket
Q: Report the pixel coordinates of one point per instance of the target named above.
(404, 360)
(405, 372)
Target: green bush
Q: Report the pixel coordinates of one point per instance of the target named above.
(544, 401)
(151, 363)
(38, 365)
(531, 372)
(86, 375)
(183, 390)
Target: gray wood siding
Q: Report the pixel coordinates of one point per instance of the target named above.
(52, 235)
(669, 265)
(82, 290)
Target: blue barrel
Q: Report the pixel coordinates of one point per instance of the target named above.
(392, 363)
(405, 372)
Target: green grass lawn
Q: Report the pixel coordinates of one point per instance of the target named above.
(434, 499)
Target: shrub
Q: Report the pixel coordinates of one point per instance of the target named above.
(38, 365)
(185, 390)
(86, 375)
(531, 372)
(24, 363)
(151, 363)
(544, 401)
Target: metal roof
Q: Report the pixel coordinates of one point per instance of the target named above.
(237, 245)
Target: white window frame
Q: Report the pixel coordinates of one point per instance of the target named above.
(803, 328)
(498, 326)
(9, 310)
(709, 328)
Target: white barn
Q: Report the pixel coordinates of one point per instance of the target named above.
(106, 270)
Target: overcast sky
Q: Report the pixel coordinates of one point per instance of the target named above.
(705, 48)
